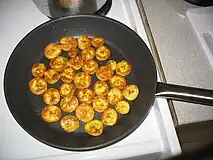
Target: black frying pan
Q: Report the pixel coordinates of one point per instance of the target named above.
(124, 44)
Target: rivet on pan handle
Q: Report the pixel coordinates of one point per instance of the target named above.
(184, 93)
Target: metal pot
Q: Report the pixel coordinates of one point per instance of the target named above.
(201, 2)
(61, 8)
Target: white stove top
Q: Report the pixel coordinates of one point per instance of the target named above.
(155, 138)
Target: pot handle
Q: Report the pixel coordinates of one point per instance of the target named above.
(185, 94)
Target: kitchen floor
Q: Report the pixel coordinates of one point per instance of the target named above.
(195, 135)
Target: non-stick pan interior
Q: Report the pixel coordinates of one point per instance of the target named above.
(26, 107)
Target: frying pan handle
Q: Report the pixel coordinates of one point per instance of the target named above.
(186, 94)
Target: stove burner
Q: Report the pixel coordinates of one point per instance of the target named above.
(105, 8)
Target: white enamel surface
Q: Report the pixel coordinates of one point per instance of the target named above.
(202, 21)
(155, 136)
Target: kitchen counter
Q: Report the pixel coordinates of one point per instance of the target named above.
(182, 57)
